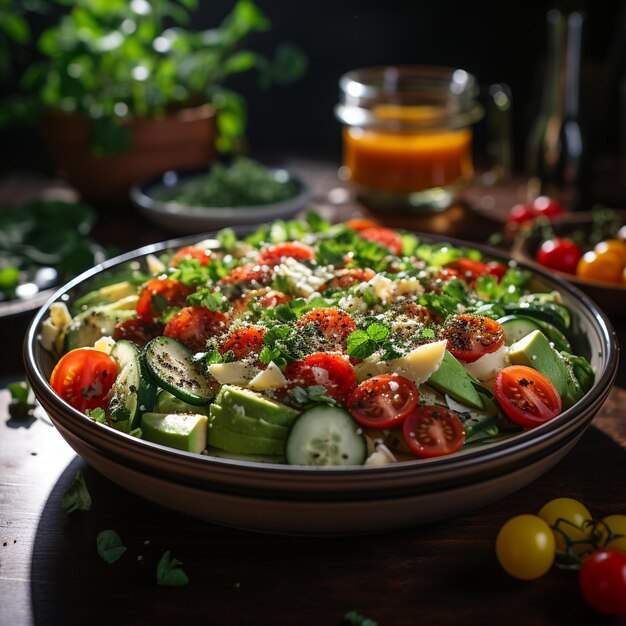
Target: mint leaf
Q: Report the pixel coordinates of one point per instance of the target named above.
(110, 547)
(360, 345)
(169, 574)
(77, 497)
(19, 405)
(378, 331)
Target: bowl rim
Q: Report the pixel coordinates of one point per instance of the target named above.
(140, 194)
(313, 482)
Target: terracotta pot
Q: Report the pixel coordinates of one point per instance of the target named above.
(180, 141)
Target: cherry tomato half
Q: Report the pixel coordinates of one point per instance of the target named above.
(602, 581)
(273, 255)
(572, 519)
(332, 323)
(187, 253)
(384, 237)
(472, 336)
(432, 430)
(159, 294)
(383, 401)
(193, 325)
(331, 371)
(265, 297)
(525, 547)
(361, 223)
(83, 378)
(248, 273)
(345, 278)
(559, 254)
(526, 395)
(244, 341)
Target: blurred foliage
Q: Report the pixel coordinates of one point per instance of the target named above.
(111, 59)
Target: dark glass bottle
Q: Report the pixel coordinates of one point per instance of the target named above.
(555, 144)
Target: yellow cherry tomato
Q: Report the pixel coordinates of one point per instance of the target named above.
(617, 525)
(601, 266)
(525, 547)
(613, 245)
(571, 518)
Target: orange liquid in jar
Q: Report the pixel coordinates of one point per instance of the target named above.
(408, 161)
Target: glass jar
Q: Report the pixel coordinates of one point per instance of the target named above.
(407, 134)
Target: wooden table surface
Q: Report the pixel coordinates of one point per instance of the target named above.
(442, 573)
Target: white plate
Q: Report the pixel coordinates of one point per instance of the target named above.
(182, 219)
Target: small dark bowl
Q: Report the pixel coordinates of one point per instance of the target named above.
(180, 218)
(610, 297)
(328, 501)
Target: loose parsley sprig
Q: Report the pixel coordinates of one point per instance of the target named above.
(20, 405)
(77, 497)
(110, 546)
(168, 573)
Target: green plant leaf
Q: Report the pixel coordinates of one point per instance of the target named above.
(169, 574)
(77, 497)
(109, 545)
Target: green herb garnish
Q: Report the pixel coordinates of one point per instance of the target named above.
(169, 574)
(245, 182)
(110, 547)
(20, 405)
(77, 497)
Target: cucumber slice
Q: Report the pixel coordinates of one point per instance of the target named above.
(133, 391)
(326, 436)
(517, 326)
(171, 364)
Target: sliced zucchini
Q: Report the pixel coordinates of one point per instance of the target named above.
(171, 364)
(133, 391)
(326, 436)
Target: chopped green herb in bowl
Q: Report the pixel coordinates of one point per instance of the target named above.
(242, 183)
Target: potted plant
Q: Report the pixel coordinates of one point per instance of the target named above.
(125, 90)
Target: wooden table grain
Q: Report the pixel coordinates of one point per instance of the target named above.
(441, 573)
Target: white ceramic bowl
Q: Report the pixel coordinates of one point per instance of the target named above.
(327, 501)
(182, 219)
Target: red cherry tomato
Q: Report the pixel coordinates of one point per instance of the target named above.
(333, 324)
(467, 270)
(193, 325)
(548, 207)
(293, 249)
(332, 371)
(203, 256)
(383, 401)
(361, 223)
(602, 581)
(83, 378)
(248, 273)
(433, 430)
(521, 213)
(244, 341)
(497, 269)
(384, 237)
(472, 336)
(559, 254)
(526, 396)
(158, 294)
(137, 330)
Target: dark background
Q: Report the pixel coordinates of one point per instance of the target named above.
(497, 41)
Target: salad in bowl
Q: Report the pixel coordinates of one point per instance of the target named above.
(307, 343)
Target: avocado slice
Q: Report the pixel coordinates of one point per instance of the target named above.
(451, 378)
(105, 295)
(167, 402)
(252, 404)
(240, 423)
(239, 443)
(184, 432)
(535, 351)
